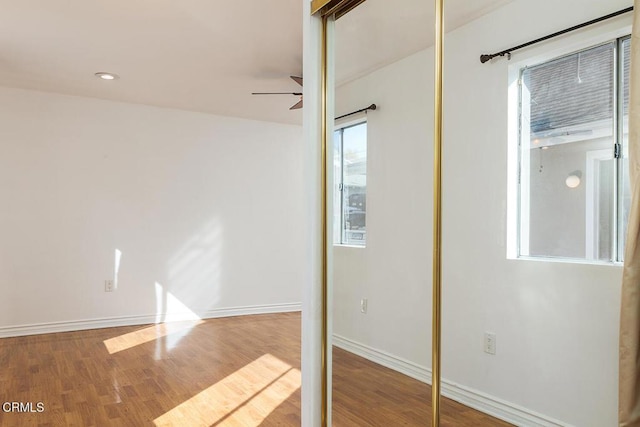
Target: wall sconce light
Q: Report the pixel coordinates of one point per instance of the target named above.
(107, 76)
(574, 179)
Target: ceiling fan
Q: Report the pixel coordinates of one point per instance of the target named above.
(297, 105)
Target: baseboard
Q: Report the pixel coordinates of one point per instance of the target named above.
(109, 322)
(380, 357)
(475, 399)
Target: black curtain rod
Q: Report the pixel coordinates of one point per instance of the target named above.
(370, 107)
(487, 57)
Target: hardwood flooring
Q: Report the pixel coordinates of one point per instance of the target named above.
(238, 371)
(367, 394)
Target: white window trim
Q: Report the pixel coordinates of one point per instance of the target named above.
(592, 219)
(573, 42)
(355, 120)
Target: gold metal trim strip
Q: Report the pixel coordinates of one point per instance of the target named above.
(437, 216)
(323, 216)
(338, 8)
(316, 5)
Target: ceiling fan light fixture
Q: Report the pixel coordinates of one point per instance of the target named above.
(107, 76)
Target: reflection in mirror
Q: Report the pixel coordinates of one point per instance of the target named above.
(350, 184)
(382, 229)
(514, 332)
(375, 312)
(381, 297)
(372, 310)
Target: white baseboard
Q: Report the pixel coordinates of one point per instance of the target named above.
(475, 399)
(109, 322)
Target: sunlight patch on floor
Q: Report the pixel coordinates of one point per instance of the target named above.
(246, 397)
(151, 333)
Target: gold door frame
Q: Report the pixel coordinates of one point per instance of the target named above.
(337, 8)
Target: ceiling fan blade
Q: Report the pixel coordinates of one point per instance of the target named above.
(297, 106)
(276, 93)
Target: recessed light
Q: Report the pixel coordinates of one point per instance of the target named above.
(107, 76)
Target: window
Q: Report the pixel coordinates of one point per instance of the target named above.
(350, 188)
(574, 192)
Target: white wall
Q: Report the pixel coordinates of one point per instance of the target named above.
(205, 210)
(556, 323)
(391, 271)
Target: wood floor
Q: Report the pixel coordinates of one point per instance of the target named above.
(239, 371)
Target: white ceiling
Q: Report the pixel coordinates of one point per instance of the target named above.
(200, 55)
(380, 32)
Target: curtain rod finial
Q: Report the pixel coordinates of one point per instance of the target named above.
(485, 58)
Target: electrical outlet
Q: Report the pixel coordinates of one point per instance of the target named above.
(489, 343)
(363, 305)
(108, 286)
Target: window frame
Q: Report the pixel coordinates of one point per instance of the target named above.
(341, 126)
(547, 52)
